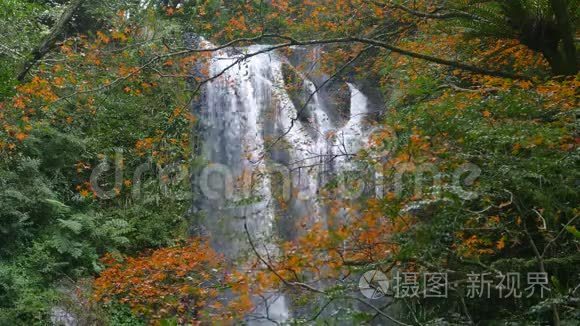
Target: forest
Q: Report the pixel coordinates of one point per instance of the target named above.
(289, 162)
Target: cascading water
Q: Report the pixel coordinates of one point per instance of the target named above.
(243, 109)
(233, 142)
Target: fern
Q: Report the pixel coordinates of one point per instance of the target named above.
(497, 18)
(72, 225)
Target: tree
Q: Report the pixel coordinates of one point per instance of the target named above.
(48, 42)
(468, 82)
(185, 283)
(544, 26)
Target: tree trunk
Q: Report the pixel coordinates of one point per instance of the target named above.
(566, 62)
(557, 61)
(49, 41)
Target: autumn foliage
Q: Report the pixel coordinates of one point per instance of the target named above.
(187, 282)
(128, 80)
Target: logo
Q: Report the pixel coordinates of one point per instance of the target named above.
(373, 284)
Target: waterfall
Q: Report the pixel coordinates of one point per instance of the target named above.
(243, 107)
(233, 143)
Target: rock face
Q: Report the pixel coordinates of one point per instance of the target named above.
(297, 91)
(59, 316)
(335, 93)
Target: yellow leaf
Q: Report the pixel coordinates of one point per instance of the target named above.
(500, 244)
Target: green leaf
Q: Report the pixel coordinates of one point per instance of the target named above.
(169, 322)
(572, 229)
(57, 205)
(74, 226)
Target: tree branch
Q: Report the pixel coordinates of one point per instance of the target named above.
(49, 41)
(558, 236)
(388, 46)
(311, 96)
(293, 42)
(311, 288)
(433, 15)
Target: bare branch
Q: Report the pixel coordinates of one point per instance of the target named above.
(311, 288)
(558, 235)
(377, 310)
(271, 268)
